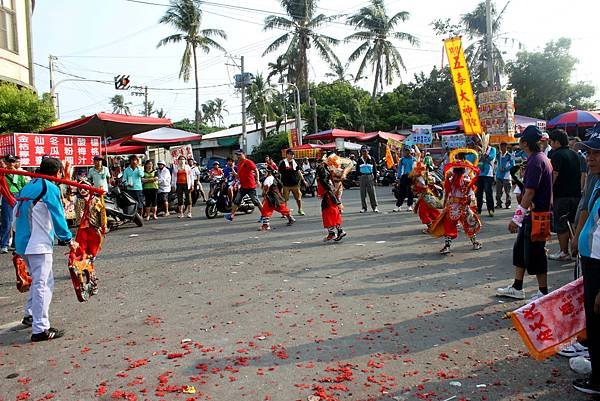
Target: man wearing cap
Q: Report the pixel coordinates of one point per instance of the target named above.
(503, 178)
(485, 181)
(15, 184)
(588, 245)
(247, 174)
(545, 145)
(99, 174)
(39, 218)
(566, 190)
(529, 255)
(164, 186)
(366, 170)
(403, 180)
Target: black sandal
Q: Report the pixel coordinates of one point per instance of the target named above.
(46, 335)
(27, 321)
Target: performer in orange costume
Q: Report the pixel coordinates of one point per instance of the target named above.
(428, 205)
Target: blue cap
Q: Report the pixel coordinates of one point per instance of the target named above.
(530, 134)
(593, 139)
(364, 147)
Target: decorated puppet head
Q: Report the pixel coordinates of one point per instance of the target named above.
(333, 161)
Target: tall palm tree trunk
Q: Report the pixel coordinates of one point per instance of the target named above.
(197, 112)
(377, 74)
(303, 70)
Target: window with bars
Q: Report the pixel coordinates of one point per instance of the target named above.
(8, 26)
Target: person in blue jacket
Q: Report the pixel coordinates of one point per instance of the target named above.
(503, 178)
(39, 217)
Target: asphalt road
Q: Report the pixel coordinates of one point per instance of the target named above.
(239, 314)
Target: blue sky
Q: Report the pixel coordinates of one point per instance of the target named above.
(97, 39)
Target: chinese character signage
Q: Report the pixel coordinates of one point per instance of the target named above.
(77, 150)
(422, 136)
(454, 141)
(550, 323)
(293, 138)
(462, 86)
(497, 113)
(185, 150)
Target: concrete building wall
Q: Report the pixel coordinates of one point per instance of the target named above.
(16, 60)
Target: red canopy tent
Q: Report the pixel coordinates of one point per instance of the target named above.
(109, 125)
(117, 148)
(162, 136)
(331, 134)
(381, 135)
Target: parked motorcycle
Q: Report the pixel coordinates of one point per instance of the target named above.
(121, 208)
(219, 201)
(386, 176)
(309, 185)
(351, 180)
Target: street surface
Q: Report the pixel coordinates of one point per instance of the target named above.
(232, 313)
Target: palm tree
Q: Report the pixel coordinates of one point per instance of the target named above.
(220, 108)
(208, 112)
(301, 26)
(186, 17)
(260, 102)
(148, 109)
(474, 24)
(339, 73)
(375, 30)
(119, 105)
(161, 113)
(282, 67)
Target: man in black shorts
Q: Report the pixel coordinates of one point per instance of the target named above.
(247, 174)
(530, 255)
(566, 176)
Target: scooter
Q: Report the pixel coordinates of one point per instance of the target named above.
(219, 201)
(121, 208)
(351, 180)
(309, 185)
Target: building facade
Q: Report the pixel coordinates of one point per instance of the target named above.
(16, 58)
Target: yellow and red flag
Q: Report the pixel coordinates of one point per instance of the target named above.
(462, 86)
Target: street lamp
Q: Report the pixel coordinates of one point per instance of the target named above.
(298, 116)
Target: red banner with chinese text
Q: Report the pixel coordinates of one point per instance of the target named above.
(293, 138)
(552, 322)
(462, 86)
(76, 150)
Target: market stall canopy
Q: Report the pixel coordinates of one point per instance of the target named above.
(332, 134)
(454, 126)
(381, 135)
(162, 136)
(575, 118)
(109, 125)
(117, 148)
(333, 146)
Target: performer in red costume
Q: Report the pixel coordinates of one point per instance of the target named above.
(330, 204)
(459, 190)
(428, 205)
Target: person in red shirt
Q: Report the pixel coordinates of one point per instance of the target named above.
(247, 174)
(270, 163)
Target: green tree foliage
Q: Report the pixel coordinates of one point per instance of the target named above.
(263, 104)
(119, 105)
(271, 146)
(301, 26)
(186, 17)
(542, 81)
(189, 125)
(21, 110)
(433, 97)
(375, 29)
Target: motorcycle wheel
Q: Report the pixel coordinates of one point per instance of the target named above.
(211, 211)
(249, 210)
(137, 219)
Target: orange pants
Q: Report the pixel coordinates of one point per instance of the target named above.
(426, 213)
(89, 240)
(267, 209)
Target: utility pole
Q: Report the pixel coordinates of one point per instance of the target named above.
(54, 98)
(489, 44)
(142, 91)
(243, 91)
(313, 103)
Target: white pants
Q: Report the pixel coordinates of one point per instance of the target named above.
(40, 292)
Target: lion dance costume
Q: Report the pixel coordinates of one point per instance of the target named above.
(460, 176)
(91, 231)
(428, 205)
(330, 203)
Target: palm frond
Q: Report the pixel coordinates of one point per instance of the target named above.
(276, 44)
(325, 52)
(186, 64)
(407, 37)
(359, 51)
(277, 22)
(364, 35)
(176, 38)
(206, 44)
(401, 16)
(212, 33)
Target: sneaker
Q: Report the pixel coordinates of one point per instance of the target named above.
(340, 236)
(396, 209)
(586, 386)
(265, 227)
(536, 296)
(300, 212)
(410, 209)
(376, 210)
(228, 216)
(581, 365)
(498, 206)
(166, 214)
(361, 210)
(189, 215)
(46, 335)
(291, 220)
(329, 237)
(508, 204)
(4, 250)
(510, 292)
(180, 216)
(491, 213)
(576, 349)
(445, 250)
(425, 231)
(477, 245)
(27, 321)
(560, 256)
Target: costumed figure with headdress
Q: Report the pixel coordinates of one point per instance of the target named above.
(330, 203)
(460, 176)
(273, 201)
(428, 205)
(339, 173)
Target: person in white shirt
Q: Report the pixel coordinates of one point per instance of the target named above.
(99, 174)
(197, 189)
(306, 164)
(164, 185)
